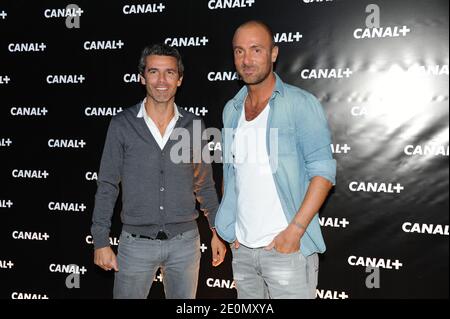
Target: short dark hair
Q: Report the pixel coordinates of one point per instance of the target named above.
(264, 25)
(160, 49)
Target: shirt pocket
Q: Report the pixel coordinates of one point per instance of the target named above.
(286, 142)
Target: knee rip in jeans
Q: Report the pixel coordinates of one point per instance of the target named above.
(283, 282)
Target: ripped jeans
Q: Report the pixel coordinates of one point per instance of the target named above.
(262, 274)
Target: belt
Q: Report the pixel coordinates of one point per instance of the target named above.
(160, 236)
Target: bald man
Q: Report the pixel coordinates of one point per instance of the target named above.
(278, 171)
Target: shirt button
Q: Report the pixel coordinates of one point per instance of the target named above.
(162, 172)
(162, 189)
(161, 207)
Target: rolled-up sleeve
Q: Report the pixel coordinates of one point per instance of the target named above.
(319, 164)
(315, 141)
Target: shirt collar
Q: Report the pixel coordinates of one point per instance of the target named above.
(242, 94)
(142, 111)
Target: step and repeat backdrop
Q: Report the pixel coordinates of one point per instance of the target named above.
(379, 67)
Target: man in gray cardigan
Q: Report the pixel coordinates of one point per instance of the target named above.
(158, 191)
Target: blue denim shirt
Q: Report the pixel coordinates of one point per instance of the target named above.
(304, 151)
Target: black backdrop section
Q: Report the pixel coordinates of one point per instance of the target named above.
(384, 88)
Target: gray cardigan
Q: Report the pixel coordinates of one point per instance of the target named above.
(157, 194)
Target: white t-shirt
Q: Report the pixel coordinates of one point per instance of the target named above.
(260, 215)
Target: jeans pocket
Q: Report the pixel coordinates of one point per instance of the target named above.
(125, 237)
(286, 141)
(285, 254)
(190, 234)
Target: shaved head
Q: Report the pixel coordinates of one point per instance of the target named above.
(256, 23)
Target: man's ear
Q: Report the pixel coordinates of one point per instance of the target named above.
(180, 80)
(274, 54)
(142, 79)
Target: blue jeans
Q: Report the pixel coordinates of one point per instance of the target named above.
(139, 259)
(262, 274)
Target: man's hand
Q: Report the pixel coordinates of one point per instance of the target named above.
(105, 258)
(288, 241)
(218, 249)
